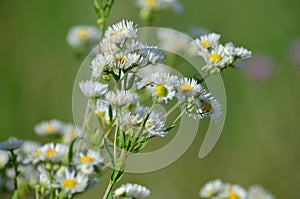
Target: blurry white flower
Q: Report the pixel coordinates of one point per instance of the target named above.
(121, 98)
(257, 192)
(92, 89)
(4, 157)
(83, 35)
(11, 144)
(133, 191)
(101, 107)
(99, 63)
(90, 158)
(233, 192)
(69, 133)
(120, 31)
(71, 183)
(172, 41)
(211, 189)
(48, 127)
(27, 149)
(52, 152)
(157, 5)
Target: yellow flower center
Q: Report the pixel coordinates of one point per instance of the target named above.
(214, 57)
(82, 34)
(86, 159)
(207, 107)
(49, 129)
(185, 88)
(151, 3)
(232, 194)
(73, 133)
(37, 153)
(69, 183)
(100, 113)
(161, 91)
(204, 43)
(50, 152)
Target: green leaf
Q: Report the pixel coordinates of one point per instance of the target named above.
(15, 195)
(170, 127)
(110, 113)
(122, 139)
(140, 146)
(70, 152)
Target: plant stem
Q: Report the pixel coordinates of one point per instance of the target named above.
(108, 189)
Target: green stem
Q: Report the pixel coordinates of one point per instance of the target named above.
(172, 109)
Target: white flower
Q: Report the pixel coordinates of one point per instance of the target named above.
(71, 183)
(257, 192)
(124, 61)
(90, 158)
(45, 178)
(26, 150)
(93, 89)
(107, 47)
(154, 126)
(133, 191)
(69, 133)
(151, 55)
(99, 63)
(4, 157)
(207, 41)
(121, 98)
(48, 127)
(242, 53)
(215, 59)
(101, 107)
(233, 192)
(52, 152)
(211, 189)
(208, 106)
(83, 35)
(172, 40)
(159, 5)
(187, 88)
(120, 31)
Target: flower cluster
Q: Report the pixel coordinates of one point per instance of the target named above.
(49, 168)
(217, 189)
(218, 56)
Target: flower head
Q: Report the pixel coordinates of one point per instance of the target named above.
(11, 144)
(83, 35)
(4, 157)
(257, 192)
(131, 191)
(211, 189)
(51, 127)
(71, 182)
(51, 152)
(120, 31)
(121, 98)
(93, 89)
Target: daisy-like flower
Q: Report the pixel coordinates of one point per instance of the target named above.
(157, 5)
(71, 182)
(83, 35)
(207, 41)
(236, 52)
(161, 85)
(27, 149)
(211, 189)
(233, 192)
(11, 144)
(208, 106)
(187, 88)
(151, 55)
(4, 157)
(99, 64)
(154, 126)
(132, 191)
(93, 89)
(121, 98)
(52, 152)
(51, 127)
(124, 61)
(215, 59)
(121, 31)
(69, 133)
(107, 47)
(91, 158)
(257, 192)
(172, 40)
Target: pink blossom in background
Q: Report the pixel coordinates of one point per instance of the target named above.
(294, 52)
(260, 67)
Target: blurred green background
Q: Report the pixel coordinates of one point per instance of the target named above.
(260, 140)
